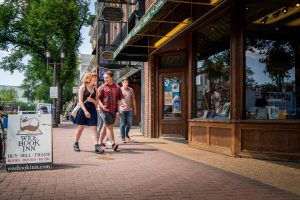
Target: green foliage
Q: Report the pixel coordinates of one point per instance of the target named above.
(24, 106)
(8, 95)
(31, 27)
(278, 57)
(216, 66)
(279, 60)
(250, 82)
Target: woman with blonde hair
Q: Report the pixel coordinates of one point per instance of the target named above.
(87, 114)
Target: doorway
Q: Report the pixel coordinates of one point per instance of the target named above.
(172, 105)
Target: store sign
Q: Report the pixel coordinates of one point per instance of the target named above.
(29, 142)
(107, 55)
(53, 92)
(145, 19)
(112, 14)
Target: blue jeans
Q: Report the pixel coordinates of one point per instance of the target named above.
(125, 123)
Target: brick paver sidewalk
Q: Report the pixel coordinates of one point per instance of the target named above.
(136, 172)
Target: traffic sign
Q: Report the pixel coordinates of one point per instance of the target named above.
(107, 55)
(113, 14)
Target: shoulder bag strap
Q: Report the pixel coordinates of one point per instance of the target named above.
(90, 95)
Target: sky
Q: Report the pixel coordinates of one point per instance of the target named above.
(15, 79)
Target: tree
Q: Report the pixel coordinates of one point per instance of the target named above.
(8, 95)
(279, 61)
(250, 82)
(278, 57)
(32, 27)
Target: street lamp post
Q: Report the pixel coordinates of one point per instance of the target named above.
(62, 56)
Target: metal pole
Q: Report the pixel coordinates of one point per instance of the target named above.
(127, 16)
(97, 48)
(54, 124)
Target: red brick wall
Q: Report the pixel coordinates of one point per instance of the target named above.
(148, 122)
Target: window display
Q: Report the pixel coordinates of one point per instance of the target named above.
(213, 71)
(272, 62)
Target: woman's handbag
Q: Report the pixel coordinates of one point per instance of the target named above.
(77, 107)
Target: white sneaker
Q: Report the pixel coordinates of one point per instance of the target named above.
(108, 143)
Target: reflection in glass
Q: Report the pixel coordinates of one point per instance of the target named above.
(172, 97)
(213, 70)
(272, 63)
(213, 86)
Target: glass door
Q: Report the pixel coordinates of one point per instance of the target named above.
(172, 104)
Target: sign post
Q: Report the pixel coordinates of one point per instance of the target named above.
(29, 142)
(54, 96)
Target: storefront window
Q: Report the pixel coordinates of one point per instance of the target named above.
(172, 97)
(272, 61)
(213, 71)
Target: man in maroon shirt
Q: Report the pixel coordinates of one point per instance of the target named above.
(109, 95)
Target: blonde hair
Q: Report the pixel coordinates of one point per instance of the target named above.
(88, 77)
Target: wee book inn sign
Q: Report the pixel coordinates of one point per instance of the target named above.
(29, 142)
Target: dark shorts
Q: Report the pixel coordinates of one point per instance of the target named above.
(108, 118)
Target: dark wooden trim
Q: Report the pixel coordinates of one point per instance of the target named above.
(190, 74)
(172, 52)
(207, 146)
(181, 69)
(156, 97)
(237, 60)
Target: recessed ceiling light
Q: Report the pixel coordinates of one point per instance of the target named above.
(285, 10)
(264, 20)
(297, 4)
(276, 14)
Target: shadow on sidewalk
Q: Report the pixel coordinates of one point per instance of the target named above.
(143, 143)
(176, 139)
(126, 150)
(293, 165)
(69, 166)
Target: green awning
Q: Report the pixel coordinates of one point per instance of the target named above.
(141, 24)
